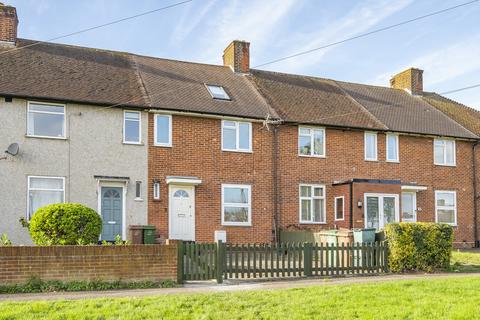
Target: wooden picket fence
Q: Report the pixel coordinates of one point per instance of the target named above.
(220, 261)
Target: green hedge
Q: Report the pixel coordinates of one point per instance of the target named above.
(419, 246)
(65, 224)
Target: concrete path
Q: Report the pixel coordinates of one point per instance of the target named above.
(228, 286)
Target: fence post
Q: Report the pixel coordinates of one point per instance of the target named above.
(307, 259)
(180, 260)
(385, 255)
(220, 259)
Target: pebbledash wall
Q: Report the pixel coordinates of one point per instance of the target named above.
(196, 151)
(105, 263)
(93, 146)
(345, 160)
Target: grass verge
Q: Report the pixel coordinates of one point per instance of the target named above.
(451, 298)
(465, 261)
(36, 285)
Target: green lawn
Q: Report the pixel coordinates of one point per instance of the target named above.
(455, 298)
(465, 261)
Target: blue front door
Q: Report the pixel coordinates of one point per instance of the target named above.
(112, 207)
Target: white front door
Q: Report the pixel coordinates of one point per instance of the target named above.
(409, 206)
(380, 209)
(182, 213)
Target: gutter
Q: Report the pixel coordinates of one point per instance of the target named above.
(475, 197)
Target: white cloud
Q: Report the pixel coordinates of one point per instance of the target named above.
(358, 20)
(252, 21)
(442, 64)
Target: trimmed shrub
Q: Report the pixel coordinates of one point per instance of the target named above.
(65, 224)
(419, 246)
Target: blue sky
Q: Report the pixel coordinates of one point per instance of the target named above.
(446, 46)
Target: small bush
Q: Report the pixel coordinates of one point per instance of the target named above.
(65, 224)
(4, 241)
(36, 285)
(419, 246)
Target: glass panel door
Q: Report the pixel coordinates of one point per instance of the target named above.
(409, 207)
(372, 215)
(388, 210)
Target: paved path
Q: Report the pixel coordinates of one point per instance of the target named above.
(229, 286)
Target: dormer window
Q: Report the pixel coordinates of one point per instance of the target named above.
(217, 92)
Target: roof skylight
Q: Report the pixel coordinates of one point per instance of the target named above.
(217, 92)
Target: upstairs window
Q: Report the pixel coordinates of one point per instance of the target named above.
(163, 130)
(444, 152)
(392, 148)
(236, 136)
(217, 92)
(311, 142)
(312, 204)
(131, 127)
(446, 207)
(46, 120)
(370, 146)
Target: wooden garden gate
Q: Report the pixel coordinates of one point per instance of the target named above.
(220, 261)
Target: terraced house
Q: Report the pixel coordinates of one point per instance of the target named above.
(206, 152)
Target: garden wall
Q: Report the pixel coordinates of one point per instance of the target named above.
(106, 263)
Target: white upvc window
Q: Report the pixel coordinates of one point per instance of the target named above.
(392, 148)
(446, 207)
(371, 146)
(236, 136)
(236, 205)
(444, 152)
(132, 127)
(43, 191)
(311, 142)
(163, 130)
(312, 204)
(339, 208)
(46, 120)
(156, 190)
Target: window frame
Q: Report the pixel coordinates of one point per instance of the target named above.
(248, 223)
(445, 164)
(64, 128)
(42, 189)
(208, 85)
(437, 207)
(312, 140)
(237, 136)
(139, 126)
(312, 197)
(343, 208)
(155, 124)
(397, 145)
(156, 190)
(367, 133)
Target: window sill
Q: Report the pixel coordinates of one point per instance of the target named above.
(226, 224)
(392, 161)
(163, 145)
(238, 151)
(301, 222)
(133, 143)
(45, 137)
(311, 156)
(371, 160)
(445, 165)
(340, 219)
(138, 199)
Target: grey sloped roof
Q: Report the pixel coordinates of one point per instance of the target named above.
(320, 101)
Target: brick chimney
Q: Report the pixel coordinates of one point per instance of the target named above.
(8, 24)
(410, 80)
(237, 56)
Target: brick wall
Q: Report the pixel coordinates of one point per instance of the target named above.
(197, 152)
(68, 263)
(8, 23)
(345, 160)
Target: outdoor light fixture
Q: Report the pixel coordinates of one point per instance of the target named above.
(359, 203)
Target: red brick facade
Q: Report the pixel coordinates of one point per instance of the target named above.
(8, 23)
(197, 152)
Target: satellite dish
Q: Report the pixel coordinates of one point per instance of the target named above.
(12, 149)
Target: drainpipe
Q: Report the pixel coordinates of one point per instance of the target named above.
(351, 205)
(275, 176)
(475, 200)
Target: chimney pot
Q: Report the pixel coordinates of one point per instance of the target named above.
(410, 80)
(237, 56)
(8, 24)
